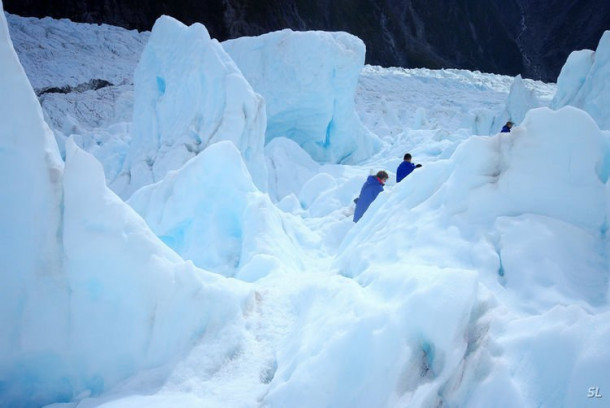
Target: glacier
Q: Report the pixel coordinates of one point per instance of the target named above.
(314, 105)
(237, 280)
(187, 97)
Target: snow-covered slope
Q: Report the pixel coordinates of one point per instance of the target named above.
(480, 280)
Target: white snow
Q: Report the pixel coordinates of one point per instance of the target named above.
(480, 280)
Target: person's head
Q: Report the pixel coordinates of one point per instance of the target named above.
(509, 124)
(383, 176)
(407, 157)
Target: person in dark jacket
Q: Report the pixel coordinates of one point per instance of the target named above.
(405, 168)
(506, 128)
(369, 192)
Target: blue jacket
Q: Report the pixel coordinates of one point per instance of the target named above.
(369, 192)
(404, 169)
(505, 129)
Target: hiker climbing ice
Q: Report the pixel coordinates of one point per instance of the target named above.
(405, 168)
(369, 192)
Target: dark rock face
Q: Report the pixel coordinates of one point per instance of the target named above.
(550, 30)
(528, 37)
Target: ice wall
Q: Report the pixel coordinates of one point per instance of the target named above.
(89, 295)
(584, 82)
(188, 95)
(308, 80)
(31, 261)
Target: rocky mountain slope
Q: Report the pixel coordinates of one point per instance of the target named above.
(532, 38)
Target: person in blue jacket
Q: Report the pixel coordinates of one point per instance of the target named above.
(405, 168)
(369, 192)
(506, 128)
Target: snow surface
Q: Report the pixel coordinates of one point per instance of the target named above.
(481, 280)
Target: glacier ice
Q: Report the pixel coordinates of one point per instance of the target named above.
(90, 296)
(188, 95)
(308, 80)
(584, 82)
